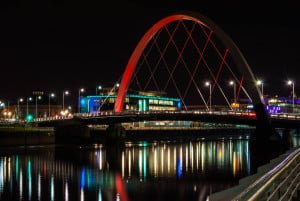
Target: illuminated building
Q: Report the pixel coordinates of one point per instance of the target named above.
(139, 101)
(282, 105)
(275, 105)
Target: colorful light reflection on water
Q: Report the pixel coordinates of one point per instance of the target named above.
(135, 172)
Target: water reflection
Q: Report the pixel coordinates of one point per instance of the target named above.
(137, 171)
(200, 158)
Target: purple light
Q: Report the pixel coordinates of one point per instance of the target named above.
(273, 109)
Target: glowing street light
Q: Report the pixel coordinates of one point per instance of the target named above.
(115, 87)
(98, 88)
(27, 99)
(291, 83)
(18, 113)
(232, 83)
(36, 105)
(208, 84)
(261, 83)
(63, 97)
(2, 104)
(7, 114)
(81, 90)
(51, 95)
(64, 113)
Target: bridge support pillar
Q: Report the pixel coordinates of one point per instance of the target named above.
(115, 132)
(287, 139)
(265, 143)
(72, 134)
(264, 130)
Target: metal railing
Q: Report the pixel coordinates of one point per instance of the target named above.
(280, 183)
(246, 114)
(289, 116)
(111, 113)
(126, 113)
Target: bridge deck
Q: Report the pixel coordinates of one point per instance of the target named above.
(230, 117)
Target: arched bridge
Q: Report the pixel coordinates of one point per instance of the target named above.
(200, 43)
(186, 55)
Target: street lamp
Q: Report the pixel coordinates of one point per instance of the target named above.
(18, 113)
(208, 84)
(98, 88)
(81, 90)
(2, 104)
(7, 115)
(27, 99)
(260, 83)
(290, 82)
(51, 95)
(232, 83)
(36, 106)
(63, 96)
(117, 85)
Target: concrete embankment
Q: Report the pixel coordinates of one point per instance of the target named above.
(26, 136)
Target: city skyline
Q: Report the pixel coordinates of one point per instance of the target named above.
(71, 45)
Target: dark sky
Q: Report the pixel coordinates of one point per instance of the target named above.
(55, 45)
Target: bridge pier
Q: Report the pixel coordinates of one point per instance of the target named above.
(265, 143)
(263, 124)
(263, 149)
(287, 139)
(72, 134)
(115, 133)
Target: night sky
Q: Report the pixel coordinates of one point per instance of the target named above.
(54, 45)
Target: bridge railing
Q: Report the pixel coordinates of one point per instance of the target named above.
(111, 113)
(290, 116)
(126, 113)
(281, 182)
(52, 118)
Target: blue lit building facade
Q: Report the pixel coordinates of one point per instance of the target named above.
(143, 101)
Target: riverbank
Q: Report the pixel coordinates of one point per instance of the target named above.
(26, 136)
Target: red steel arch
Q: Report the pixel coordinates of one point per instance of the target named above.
(236, 54)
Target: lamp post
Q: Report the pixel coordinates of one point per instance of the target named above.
(2, 105)
(18, 112)
(260, 83)
(116, 86)
(290, 82)
(51, 95)
(36, 106)
(208, 84)
(232, 83)
(81, 90)
(98, 88)
(27, 99)
(63, 97)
